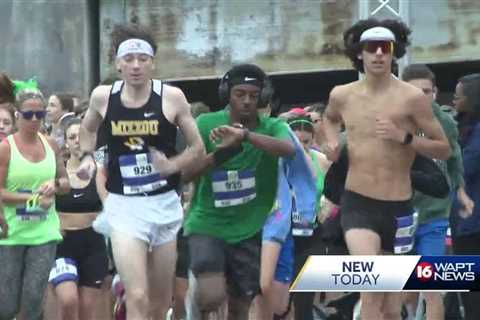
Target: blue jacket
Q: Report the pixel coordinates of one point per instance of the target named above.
(471, 163)
(296, 193)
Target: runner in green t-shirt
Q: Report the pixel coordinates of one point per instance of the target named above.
(235, 189)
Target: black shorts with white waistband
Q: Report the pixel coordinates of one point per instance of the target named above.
(380, 216)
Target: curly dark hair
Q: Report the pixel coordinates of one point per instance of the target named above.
(121, 33)
(351, 39)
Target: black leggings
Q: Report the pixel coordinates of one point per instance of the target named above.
(468, 245)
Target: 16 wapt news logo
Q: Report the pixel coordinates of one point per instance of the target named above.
(449, 273)
(389, 273)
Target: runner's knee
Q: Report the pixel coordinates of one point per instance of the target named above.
(138, 297)
(209, 292)
(68, 302)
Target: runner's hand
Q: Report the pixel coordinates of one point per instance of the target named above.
(227, 135)
(387, 130)
(163, 165)
(3, 226)
(47, 188)
(466, 203)
(86, 169)
(332, 151)
(45, 202)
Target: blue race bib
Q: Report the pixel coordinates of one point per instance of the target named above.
(232, 188)
(139, 175)
(405, 235)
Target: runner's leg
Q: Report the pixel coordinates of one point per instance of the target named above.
(130, 256)
(161, 271)
(38, 263)
(11, 271)
(366, 242)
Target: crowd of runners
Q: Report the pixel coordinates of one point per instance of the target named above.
(179, 212)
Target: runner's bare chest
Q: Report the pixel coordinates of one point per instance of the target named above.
(361, 113)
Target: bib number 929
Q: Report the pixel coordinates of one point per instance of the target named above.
(142, 170)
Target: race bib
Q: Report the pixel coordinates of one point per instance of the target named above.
(30, 210)
(300, 227)
(139, 175)
(65, 269)
(405, 235)
(232, 188)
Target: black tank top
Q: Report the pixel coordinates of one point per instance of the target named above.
(80, 200)
(129, 132)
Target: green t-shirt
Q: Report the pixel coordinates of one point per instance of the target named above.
(28, 223)
(245, 186)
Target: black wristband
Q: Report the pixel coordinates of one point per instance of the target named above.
(408, 138)
(86, 154)
(223, 154)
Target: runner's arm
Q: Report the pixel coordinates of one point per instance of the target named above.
(332, 125)
(101, 181)
(62, 184)
(273, 146)
(195, 150)
(427, 178)
(434, 144)
(93, 118)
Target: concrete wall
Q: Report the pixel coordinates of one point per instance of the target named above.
(198, 38)
(65, 43)
(205, 37)
(445, 30)
(52, 40)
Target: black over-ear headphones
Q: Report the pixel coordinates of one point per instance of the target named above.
(224, 91)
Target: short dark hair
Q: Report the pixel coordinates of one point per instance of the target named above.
(6, 89)
(66, 101)
(198, 108)
(351, 39)
(418, 71)
(70, 123)
(471, 90)
(121, 33)
(317, 107)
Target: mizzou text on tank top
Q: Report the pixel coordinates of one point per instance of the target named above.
(129, 133)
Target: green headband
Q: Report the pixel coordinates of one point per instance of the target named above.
(19, 85)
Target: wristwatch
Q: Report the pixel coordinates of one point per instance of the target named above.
(408, 138)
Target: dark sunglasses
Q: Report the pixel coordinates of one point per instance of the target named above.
(372, 46)
(28, 115)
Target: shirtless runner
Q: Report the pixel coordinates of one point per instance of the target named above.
(381, 115)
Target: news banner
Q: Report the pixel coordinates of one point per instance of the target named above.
(389, 273)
